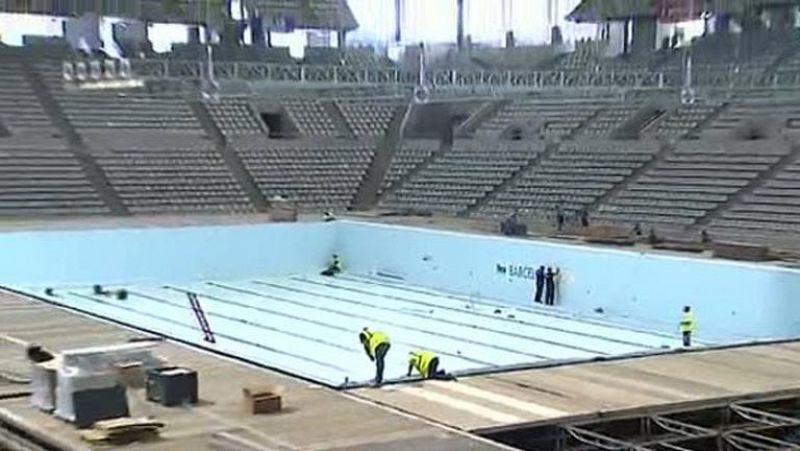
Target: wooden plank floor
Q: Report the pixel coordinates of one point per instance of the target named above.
(532, 395)
(314, 418)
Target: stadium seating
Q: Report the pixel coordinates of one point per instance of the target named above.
(551, 120)
(695, 179)
(773, 207)
(368, 118)
(411, 154)
(173, 181)
(45, 183)
(310, 118)
(234, 117)
(102, 110)
(315, 174)
(20, 110)
(459, 178)
(572, 178)
(682, 120)
(609, 119)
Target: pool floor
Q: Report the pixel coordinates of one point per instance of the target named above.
(308, 325)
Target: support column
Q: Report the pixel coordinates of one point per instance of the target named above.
(83, 33)
(460, 24)
(257, 31)
(644, 35)
(130, 37)
(341, 39)
(722, 23)
(193, 35)
(398, 21)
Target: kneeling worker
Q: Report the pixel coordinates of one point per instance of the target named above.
(376, 345)
(427, 365)
(334, 267)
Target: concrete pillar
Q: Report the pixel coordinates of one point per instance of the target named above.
(341, 39)
(130, 37)
(460, 24)
(781, 18)
(510, 41)
(722, 23)
(257, 31)
(83, 33)
(644, 35)
(193, 35)
(398, 20)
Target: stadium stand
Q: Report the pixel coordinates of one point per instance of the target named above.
(126, 111)
(683, 120)
(370, 118)
(693, 180)
(572, 177)
(460, 177)
(310, 118)
(20, 110)
(410, 155)
(234, 117)
(551, 120)
(315, 174)
(774, 207)
(45, 183)
(173, 181)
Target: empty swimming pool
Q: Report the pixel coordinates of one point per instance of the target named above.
(308, 325)
(465, 297)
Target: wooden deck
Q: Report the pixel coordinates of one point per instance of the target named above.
(314, 418)
(534, 395)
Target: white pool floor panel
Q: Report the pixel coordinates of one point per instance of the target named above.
(309, 325)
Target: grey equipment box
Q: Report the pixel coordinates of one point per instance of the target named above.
(172, 386)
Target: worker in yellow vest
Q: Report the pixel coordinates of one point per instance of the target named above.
(427, 365)
(688, 326)
(376, 345)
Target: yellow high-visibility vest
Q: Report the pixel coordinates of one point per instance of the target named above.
(421, 361)
(375, 338)
(688, 322)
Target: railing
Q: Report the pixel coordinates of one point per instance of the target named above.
(702, 76)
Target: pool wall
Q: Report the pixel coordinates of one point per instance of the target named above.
(733, 300)
(162, 254)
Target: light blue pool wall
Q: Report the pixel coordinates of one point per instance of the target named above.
(732, 300)
(144, 255)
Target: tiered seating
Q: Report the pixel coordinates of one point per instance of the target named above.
(681, 121)
(774, 111)
(458, 179)
(310, 117)
(42, 183)
(696, 178)
(98, 110)
(608, 120)
(410, 155)
(316, 174)
(550, 119)
(234, 117)
(102, 140)
(773, 207)
(19, 107)
(573, 177)
(368, 118)
(173, 181)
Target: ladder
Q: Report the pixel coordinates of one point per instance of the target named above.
(208, 335)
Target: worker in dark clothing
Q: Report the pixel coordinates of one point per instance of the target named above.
(583, 216)
(539, 285)
(550, 286)
(688, 326)
(427, 365)
(376, 345)
(334, 267)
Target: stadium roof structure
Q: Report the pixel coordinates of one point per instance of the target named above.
(603, 10)
(278, 14)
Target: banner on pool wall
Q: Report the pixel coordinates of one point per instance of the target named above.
(516, 271)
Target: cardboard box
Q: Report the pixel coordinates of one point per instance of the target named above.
(260, 400)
